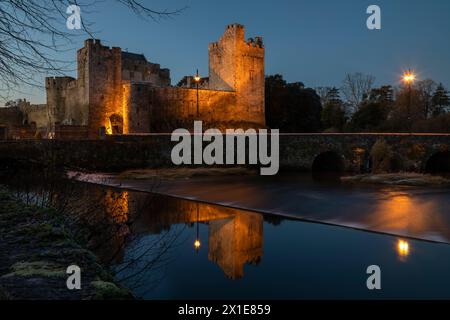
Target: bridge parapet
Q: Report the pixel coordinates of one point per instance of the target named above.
(297, 151)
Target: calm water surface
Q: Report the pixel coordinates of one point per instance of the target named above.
(245, 254)
(190, 248)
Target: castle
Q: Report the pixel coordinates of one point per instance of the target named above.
(118, 92)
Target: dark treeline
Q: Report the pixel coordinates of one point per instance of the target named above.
(357, 106)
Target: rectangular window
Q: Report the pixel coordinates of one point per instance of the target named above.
(252, 74)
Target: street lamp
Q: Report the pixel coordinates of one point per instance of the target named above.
(197, 81)
(408, 78)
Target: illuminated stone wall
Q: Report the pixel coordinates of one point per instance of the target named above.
(238, 65)
(105, 88)
(232, 96)
(136, 68)
(119, 92)
(151, 109)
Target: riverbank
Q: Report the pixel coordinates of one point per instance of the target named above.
(36, 247)
(398, 179)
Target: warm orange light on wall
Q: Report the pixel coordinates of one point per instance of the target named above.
(125, 111)
(108, 128)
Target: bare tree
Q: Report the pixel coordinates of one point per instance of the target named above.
(356, 88)
(426, 90)
(33, 33)
(323, 92)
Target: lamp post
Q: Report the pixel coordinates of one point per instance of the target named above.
(197, 81)
(409, 78)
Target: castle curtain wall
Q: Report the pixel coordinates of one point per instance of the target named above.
(151, 109)
(119, 92)
(67, 102)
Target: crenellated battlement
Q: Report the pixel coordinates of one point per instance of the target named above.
(256, 42)
(235, 26)
(238, 65)
(58, 83)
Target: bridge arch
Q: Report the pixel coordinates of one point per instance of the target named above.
(328, 161)
(438, 163)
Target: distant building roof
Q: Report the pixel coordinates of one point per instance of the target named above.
(133, 56)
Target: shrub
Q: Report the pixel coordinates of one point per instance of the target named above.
(382, 157)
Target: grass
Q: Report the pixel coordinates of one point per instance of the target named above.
(107, 290)
(36, 243)
(36, 269)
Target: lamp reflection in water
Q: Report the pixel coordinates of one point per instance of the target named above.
(197, 243)
(402, 249)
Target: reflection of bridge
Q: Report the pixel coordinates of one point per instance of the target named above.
(235, 237)
(302, 151)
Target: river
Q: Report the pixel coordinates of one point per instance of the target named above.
(252, 237)
(287, 237)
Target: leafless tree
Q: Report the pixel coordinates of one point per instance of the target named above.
(426, 90)
(356, 88)
(34, 33)
(323, 92)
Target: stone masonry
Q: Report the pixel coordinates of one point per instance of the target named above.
(118, 92)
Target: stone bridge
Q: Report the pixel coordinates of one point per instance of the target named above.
(351, 152)
(317, 152)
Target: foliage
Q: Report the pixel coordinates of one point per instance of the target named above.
(440, 101)
(382, 156)
(34, 33)
(373, 111)
(333, 113)
(356, 88)
(290, 107)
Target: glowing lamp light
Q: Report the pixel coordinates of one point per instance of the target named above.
(403, 248)
(197, 77)
(197, 244)
(409, 77)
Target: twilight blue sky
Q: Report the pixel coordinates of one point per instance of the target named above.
(316, 42)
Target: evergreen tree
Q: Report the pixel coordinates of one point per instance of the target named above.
(333, 97)
(440, 100)
(384, 95)
(291, 107)
(333, 113)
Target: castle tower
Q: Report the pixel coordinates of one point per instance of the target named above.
(56, 88)
(100, 72)
(238, 65)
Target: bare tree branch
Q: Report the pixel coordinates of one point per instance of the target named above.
(33, 34)
(356, 88)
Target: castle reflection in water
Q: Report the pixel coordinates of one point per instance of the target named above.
(235, 237)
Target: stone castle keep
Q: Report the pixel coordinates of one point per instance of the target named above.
(118, 92)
